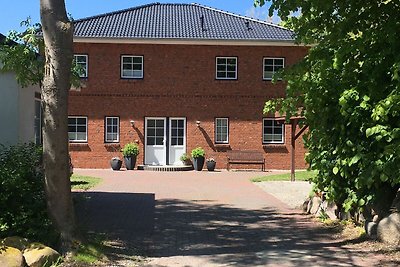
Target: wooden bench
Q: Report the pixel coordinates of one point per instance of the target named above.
(245, 157)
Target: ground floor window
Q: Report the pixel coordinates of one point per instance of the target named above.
(112, 129)
(77, 129)
(222, 130)
(273, 131)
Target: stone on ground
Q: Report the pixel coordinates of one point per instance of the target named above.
(15, 242)
(315, 203)
(389, 229)
(39, 255)
(11, 257)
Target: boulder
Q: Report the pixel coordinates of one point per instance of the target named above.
(39, 255)
(304, 207)
(315, 203)
(331, 210)
(371, 229)
(15, 242)
(388, 229)
(11, 257)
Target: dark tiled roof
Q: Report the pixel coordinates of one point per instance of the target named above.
(178, 21)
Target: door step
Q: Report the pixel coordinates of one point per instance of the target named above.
(165, 168)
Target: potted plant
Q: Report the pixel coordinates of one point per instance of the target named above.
(198, 158)
(210, 162)
(116, 163)
(130, 152)
(185, 159)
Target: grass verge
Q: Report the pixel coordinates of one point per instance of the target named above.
(83, 182)
(300, 176)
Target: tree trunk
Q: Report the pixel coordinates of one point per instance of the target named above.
(57, 34)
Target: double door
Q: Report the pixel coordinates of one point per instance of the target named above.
(165, 140)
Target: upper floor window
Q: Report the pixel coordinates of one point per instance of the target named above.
(273, 131)
(81, 61)
(272, 66)
(132, 67)
(77, 129)
(222, 130)
(112, 129)
(226, 68)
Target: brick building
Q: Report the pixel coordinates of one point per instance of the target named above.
(173, 77)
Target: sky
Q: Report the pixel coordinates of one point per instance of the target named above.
(14, 11)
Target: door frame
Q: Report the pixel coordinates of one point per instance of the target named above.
(169, 135)
(165, 145)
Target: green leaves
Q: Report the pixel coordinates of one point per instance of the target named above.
(348, 90)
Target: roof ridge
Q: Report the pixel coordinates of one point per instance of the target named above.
(241, 16)
(117, 12)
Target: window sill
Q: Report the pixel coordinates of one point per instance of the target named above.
(112, 144)
(274, 145)
(222, 144)
(78, 143)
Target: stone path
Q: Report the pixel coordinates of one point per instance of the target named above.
(206, 219)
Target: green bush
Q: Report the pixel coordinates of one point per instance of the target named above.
(23, 209)
(198, 152)
(130, 150)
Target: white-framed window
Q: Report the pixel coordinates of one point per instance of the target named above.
(272, 65)
(221, 130)
(273, 131)
(226, 68)
(132, 67)
(77, 129)
(112, 129)
(82, 62)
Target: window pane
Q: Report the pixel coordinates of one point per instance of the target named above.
(180, 123)
(221, 67)
(159, 141)
(151, 132)
(232, 61)
(279, 62)
(180, 141)
(127, 67)
(81, 129)
(81, 121)
(221, 60)
(231, 75)
(71, 136)
(160, 123)
(151, 123)
(150, 141)
(127, 59)
(180, 132)
(221, 74)
(174, 141)
(160, 132)
(268, 75)
(174, 123)
(137, 60)
(81, 136)
(269, 61)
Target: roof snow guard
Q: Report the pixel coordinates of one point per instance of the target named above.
(179, 21)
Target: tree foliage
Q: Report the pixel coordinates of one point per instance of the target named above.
(348, 90)
(22, 198)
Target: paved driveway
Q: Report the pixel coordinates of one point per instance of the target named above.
(206, 219)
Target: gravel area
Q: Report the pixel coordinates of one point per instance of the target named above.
(291, 193)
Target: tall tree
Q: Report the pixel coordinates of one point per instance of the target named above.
(348, 90)
(57, 34)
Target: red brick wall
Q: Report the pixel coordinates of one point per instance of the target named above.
(179, 81)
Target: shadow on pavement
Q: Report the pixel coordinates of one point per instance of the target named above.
(227, 235)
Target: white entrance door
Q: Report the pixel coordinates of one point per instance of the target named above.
(177, 140)
(155, 141)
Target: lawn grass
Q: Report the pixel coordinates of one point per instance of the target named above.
(83, 182)
(300, 176)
